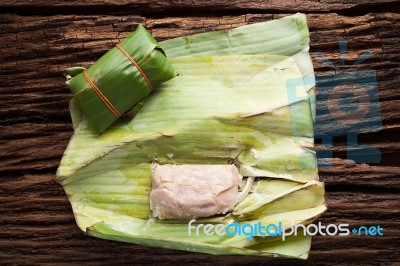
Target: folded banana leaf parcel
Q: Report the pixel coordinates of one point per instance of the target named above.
(223, 145)
(120, 79)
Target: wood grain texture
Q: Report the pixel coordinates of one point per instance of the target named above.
(178, 6)
(39, 39)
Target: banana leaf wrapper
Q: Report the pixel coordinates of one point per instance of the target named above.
(120, 79)
(230, 103)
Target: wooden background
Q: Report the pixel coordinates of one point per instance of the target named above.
(39, 38)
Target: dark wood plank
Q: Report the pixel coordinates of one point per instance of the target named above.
(37, 225)
(180, 6)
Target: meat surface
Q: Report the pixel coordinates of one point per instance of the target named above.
(191, 191)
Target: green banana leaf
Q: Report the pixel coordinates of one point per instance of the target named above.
(287, 36)
(230, 104)
(120, 79)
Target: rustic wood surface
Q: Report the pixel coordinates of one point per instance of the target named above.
(39, 38)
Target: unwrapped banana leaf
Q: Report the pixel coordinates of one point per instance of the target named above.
(120, 79)
(230, 104)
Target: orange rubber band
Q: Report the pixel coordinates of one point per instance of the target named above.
(135, 64)
(101, 95)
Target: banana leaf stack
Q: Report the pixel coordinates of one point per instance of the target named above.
(230, 103)
(120, 79)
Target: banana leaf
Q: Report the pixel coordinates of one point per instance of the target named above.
(120, 79)
(230, 104)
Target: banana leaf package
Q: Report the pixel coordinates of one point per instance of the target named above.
(229, 105)
(120, 79)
